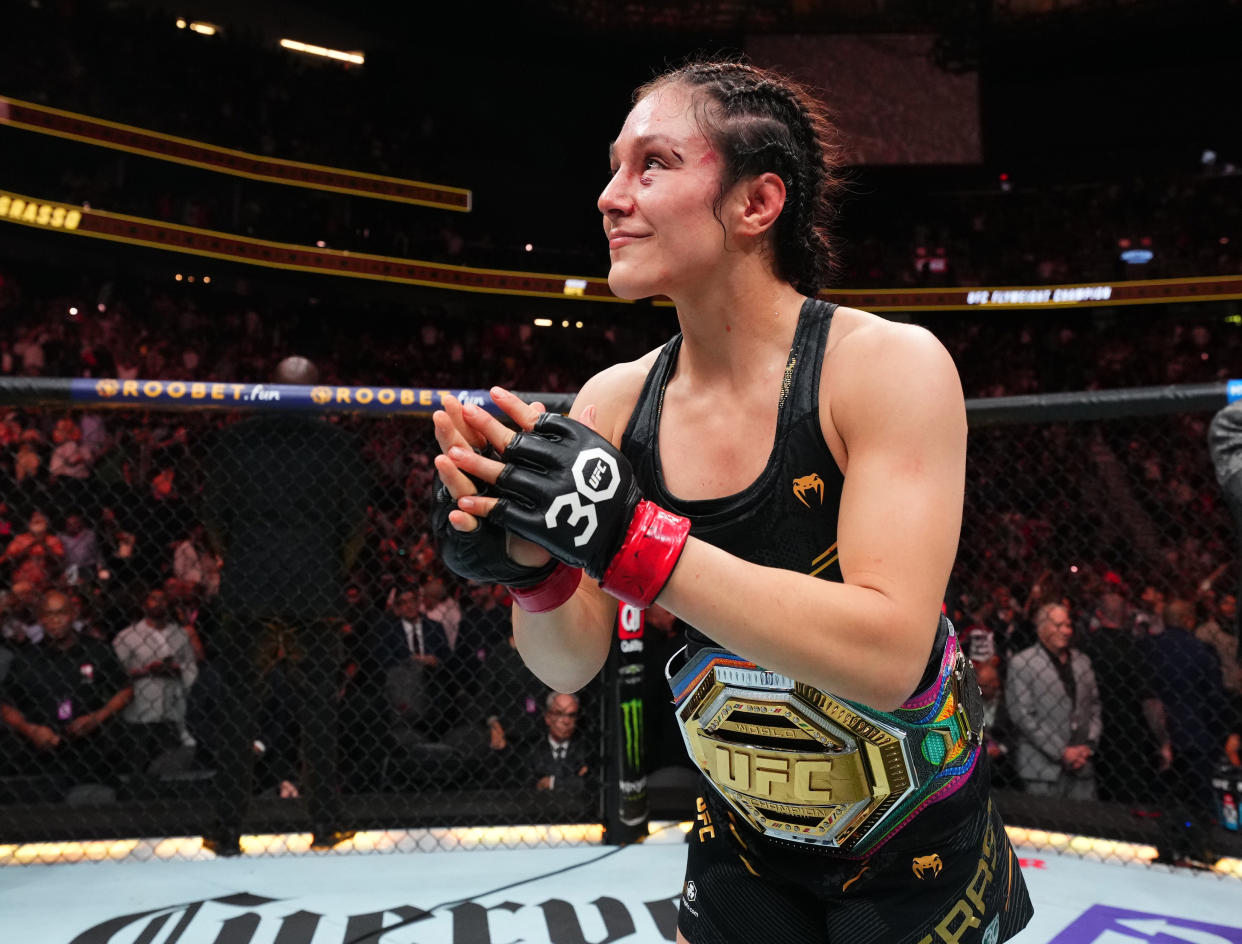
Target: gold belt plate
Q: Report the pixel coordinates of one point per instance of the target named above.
(795, 762)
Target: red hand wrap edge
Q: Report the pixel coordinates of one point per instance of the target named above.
(550, 592)
(652, 546)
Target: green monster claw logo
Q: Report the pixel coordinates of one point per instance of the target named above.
(632, 713)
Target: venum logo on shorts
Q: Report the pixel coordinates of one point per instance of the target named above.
(596, 477)
(927, 865)
(967, 912)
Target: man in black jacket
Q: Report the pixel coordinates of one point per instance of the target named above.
(412, 654)
(61, 698)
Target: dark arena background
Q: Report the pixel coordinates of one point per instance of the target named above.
(405, 195)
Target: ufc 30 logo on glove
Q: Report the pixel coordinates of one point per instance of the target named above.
(595, 474)
(569, 490)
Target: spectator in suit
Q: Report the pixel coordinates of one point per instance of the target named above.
(559, 761)
(1055, 708)
(62, 699)
(1185, 677)
(502, 728)
(1009, 626)
(997, 729)
(284, 501)
(458, 666)
(486, 623)
(1133, 740)
(412, 653)
(441, 607)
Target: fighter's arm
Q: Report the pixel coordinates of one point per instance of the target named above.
(893, 395)
(869, 638)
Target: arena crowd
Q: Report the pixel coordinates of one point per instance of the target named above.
(1095, 589)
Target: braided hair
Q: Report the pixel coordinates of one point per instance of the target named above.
(761, 122)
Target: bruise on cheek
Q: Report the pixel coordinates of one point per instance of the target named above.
(708, 158)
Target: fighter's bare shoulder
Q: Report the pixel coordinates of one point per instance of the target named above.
(856, 333)
(873, 365)
(614, 393)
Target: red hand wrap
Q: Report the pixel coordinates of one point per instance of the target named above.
(549, 593)
(651, 549)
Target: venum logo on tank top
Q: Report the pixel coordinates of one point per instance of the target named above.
(808, 485)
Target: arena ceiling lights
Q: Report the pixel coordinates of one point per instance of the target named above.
(198, 26)
(354, 58)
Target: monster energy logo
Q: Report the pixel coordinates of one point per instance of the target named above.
(632, 715)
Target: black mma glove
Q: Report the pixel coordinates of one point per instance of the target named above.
(569, 490)
(480, 554)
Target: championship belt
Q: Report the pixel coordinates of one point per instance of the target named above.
(802, 765)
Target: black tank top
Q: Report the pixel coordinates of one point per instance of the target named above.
(787, 517)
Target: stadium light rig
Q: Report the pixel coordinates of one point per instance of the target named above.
(355, 58)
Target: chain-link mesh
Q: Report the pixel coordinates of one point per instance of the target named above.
(221, 625)
(1109, 541)
(300, 662)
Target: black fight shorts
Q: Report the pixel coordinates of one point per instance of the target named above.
(949, 877)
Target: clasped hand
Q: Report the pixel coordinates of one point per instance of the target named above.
(463, 506)
(556, 486)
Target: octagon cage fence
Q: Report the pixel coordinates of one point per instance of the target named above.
(333, 680)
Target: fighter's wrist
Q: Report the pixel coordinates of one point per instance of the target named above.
(648, 554)
(551, 592)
